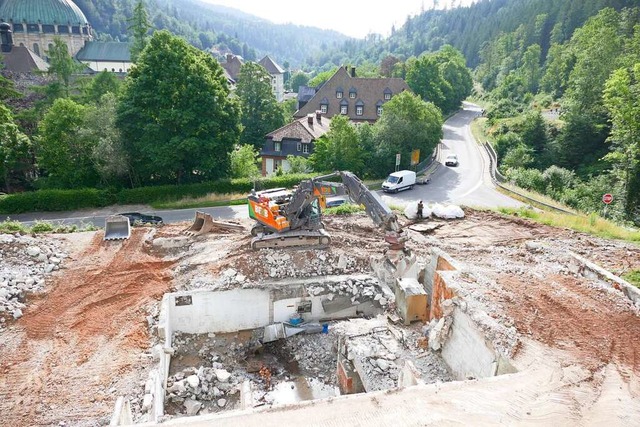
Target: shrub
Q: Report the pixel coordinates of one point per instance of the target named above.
(55, 200)
(530, 179)
(42, 227)
(558, 179)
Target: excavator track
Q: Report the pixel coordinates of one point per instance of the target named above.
(316, 239)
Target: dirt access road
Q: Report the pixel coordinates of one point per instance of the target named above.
(82, 343)
(85, 340)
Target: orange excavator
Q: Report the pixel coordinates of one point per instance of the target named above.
(289, 218)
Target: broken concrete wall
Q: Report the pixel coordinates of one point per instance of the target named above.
(466, 351)
(434, 284)
(199, 312)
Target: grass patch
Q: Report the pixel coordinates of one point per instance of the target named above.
(591, 224)
(478, 131)
(633, 277)
(42, 227)
(344, 209)
(210, 200)
(535, 196)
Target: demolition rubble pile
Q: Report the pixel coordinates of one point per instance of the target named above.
(25, 262)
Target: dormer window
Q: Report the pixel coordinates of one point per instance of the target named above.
(379, 108)
(387, 94)
(344, 107)
(359, 107)
(353, 93)
(338, 94)
(324, 105)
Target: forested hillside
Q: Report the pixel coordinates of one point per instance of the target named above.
(211, 26)
(469, 28)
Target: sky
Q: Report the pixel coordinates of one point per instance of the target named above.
(355, 18)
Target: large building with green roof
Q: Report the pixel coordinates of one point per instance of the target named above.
(34, 24)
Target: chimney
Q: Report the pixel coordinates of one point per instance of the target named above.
(229, 57)
(6, 38)
(353, 71)
(310, 119)
(318, 116)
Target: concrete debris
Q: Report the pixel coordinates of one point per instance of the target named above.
(25, 262)
(192, 406)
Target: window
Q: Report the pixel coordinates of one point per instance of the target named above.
(379, 110)
(299, 147)
(48, 28)
(33, 28)
(36, 49)
(352, 93)
(277, 146)
(75, 30)
(387, 96)
(359, 109)
(339, 94)
(277, 164)
(63, 29)
(323, 108)
(343, 109)
(305, 148)
(18, 28)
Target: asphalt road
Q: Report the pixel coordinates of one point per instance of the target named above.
(467, 184)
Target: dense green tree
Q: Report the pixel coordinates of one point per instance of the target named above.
(299, 79)
(455, 72)
(622, 99)
(425, 79)
(319, 79)
(339, 149)
(61, 152)
(101, 84)
(534, 132)
(298, 164)
(243, 162)
(261, 113)
(176, 117)
(61, 65)
(408, 123)
(138, 28)
(14, 151)
(99, 131)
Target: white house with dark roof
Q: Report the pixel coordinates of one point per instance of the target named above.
(296, 139)
(277, 76)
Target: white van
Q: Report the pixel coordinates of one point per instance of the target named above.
(398, 181)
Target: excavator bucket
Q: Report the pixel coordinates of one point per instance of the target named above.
(117, 227)
(202, 223)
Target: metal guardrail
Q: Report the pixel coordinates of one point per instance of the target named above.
(498, 179)
(424, 165)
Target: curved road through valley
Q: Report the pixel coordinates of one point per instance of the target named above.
(467, 184)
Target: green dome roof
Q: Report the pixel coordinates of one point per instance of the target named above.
(43, 11)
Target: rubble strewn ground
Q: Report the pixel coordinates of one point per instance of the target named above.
(87, 305)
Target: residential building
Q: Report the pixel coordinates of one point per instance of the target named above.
(362, 99)
(277, 76)
(297, 139)
(233, 63)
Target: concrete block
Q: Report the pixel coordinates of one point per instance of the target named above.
(411, 300)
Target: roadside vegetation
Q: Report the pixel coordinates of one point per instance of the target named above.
(591, 224)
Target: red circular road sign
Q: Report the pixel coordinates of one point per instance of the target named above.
(607, 198)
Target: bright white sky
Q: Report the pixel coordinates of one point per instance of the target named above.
(355, 18)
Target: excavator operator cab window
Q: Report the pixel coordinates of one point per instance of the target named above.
(315, 209)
